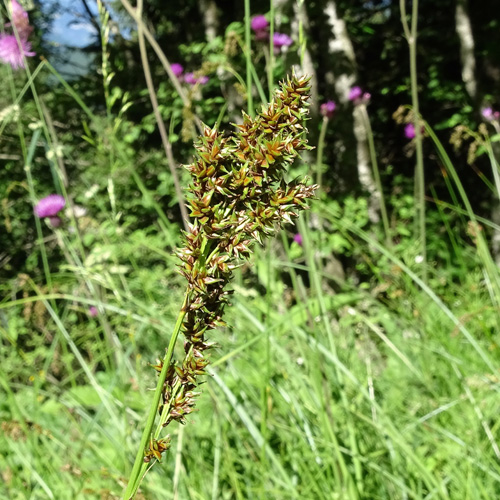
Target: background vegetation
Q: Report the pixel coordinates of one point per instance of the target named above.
(360, 360)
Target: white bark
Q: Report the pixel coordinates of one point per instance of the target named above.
(208, 9)
(340, 45)
(365, 176)
(464, 31)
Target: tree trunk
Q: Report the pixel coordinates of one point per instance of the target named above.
(208, 9)
(343, 59)
(464, 31)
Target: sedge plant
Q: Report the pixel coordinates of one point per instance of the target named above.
(238, 196)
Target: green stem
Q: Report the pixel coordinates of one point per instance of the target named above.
(376, 174)
(248, 54)
(411, 36)
(319, 156)
(270, 66)
(140, 467)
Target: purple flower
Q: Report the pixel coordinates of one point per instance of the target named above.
(50, 206)
(488, 114)
(177, 69)
(298, 239)
(262, 35)
(55, 221)
(192, 80)
(93, 312)
(20, 20)
(13, 52)
(327, 109)
(410, 131)
(357, 96)
(259, 23)
(189, 78)
(355, 93)
(282, 40)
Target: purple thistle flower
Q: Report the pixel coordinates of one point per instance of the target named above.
(20, 20)
(298, 239)
(355, 93)
(488, 114)
(327, 109)
(259, 23)
(50, 206)
(93, 312)
(262, 35)
(192, 80)
(13, 51)
(55, 221)
(282, 40)
(177, 69)
(410, 131)
(189, 78)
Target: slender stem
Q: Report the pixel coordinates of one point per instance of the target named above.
(319, 156)
(376, 174)
(270, 65)
(411, 36)
(163, 59)
(493, 160)
(248, 55)
(159, 120)
(139, 466)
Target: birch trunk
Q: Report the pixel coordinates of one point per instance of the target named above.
(208, 9)
(340, 47)
(463, 28)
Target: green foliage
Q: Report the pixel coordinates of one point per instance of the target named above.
(340, 373)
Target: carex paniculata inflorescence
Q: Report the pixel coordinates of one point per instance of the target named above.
(238, 196)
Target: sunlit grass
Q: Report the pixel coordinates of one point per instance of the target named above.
(322, 386)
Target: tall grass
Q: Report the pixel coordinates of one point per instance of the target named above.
(320, 387)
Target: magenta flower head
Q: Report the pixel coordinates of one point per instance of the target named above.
(298, 239)
(13, 52)
(93, 312)
(282, 40)
(327, 109)
(410, 131)
(488, 114)
(192, 80)
(50, 206)
(54, 221)
(177, 69)
(259, 23)
(20, 20)
(355, 93)
(189, 78)
(262, 35)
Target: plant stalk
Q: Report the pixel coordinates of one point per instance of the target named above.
(248, 54)
(319, 156)
(139, 466)
(411, 36)
(376, 174)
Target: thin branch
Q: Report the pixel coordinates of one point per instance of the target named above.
(159, 120)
